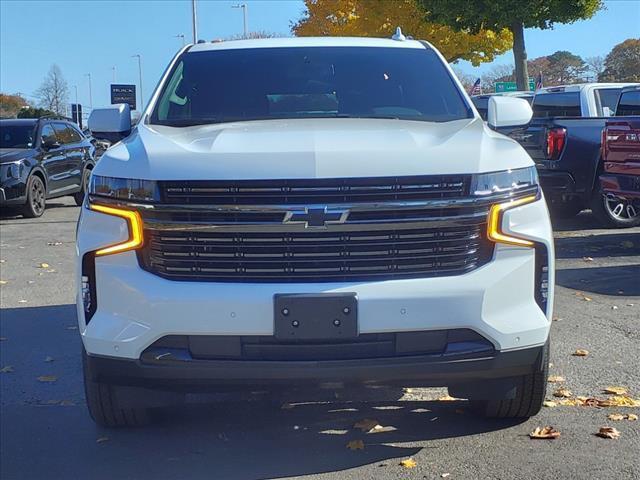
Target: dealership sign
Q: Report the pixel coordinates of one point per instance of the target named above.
(124, 94)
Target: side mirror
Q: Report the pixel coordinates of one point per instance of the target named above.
(111, 123)
(50, 144)
(508, 112)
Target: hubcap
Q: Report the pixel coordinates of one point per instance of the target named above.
(620, 209)
(37, 196)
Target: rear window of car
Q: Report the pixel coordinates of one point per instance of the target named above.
(606, 101)
(309, 82)
(629, 103)
(557, 104)
(16, 136)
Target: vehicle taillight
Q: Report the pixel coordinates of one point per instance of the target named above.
(556, 138)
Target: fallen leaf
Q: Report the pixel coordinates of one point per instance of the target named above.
(44, 265)
(580, 353)
(616, 417)
(102, 439)
(409, 463)
(557, 319)
(587, 299)
(365, 425)
(615, 390)
(47, 378)
(556, 379)
(544, 433)
(549, 403)
(444, 475)
(48, 359)
(355, 445)
(619, 401)
(382, 429)
(7, 369)
(608, 432)
(407, 390)
(632, 417)
(22, 301)
(562, 393)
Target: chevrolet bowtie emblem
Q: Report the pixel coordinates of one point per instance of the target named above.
(316, 217)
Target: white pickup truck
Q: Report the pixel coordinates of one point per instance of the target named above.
(319, 211)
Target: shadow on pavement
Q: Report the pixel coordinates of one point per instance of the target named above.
(599, 245)
(620, 280)
(47, 433)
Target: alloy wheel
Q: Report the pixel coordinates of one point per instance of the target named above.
(620, 209)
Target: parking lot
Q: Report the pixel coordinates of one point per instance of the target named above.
(47, 433)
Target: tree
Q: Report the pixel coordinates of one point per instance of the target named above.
(255, 35)
(514, 15)
(31, 112)
(467, 80)
(54, 92)
(565, 67)
(10, 105)
(623, 62)
(379, 18)
(595, 65)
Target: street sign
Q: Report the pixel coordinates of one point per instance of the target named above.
(76, 113)
(124, 94)
(512, 86)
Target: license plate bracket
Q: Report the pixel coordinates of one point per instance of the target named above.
(317, 316)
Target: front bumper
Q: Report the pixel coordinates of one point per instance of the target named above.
(136, 308)
(187, 374)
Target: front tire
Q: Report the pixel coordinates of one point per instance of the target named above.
(104, 406)
(530, 393)
(79, 196)
(614, 212)
(36, 198)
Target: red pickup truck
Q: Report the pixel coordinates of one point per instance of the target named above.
(620, 180)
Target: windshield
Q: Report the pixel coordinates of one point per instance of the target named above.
(313, 82)
(16, 136)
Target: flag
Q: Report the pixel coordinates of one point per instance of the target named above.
(476, 89)
(539, 81)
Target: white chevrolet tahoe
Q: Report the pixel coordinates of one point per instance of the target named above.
(313, 211)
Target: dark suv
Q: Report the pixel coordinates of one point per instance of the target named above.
(42, 158)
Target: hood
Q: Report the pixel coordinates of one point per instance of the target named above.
(9, 155)
(311, 148)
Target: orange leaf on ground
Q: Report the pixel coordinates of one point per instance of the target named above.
(556, 379)
(546, 433)
(408, 463)
(608, 432)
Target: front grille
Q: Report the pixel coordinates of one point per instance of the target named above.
(394, 228)
(314, 191)
(315, 255)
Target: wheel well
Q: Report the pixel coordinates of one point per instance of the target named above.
(38, 173)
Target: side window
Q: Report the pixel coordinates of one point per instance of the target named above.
(48, 135)
(606, 101)
(65, 133)
(629, 103)
(75, 135)
(557, 104)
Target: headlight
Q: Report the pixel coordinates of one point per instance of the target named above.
(520, 186)
(124, 189)
(13, 169)
(518, 181)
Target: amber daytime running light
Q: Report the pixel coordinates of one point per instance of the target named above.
(494, 224)
(135, 229)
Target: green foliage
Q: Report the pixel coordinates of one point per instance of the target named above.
(623, 62)
(32, 112)
(498, 14)
(564, 67)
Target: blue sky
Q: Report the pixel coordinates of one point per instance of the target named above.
(94, 36)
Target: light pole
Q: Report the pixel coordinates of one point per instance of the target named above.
(194, 21)
(180, 35)
(139, 57)
(90, 96)
(243, 6)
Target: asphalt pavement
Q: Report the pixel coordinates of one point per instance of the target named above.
(46, 432)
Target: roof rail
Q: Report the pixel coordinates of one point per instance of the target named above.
(53, 116)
